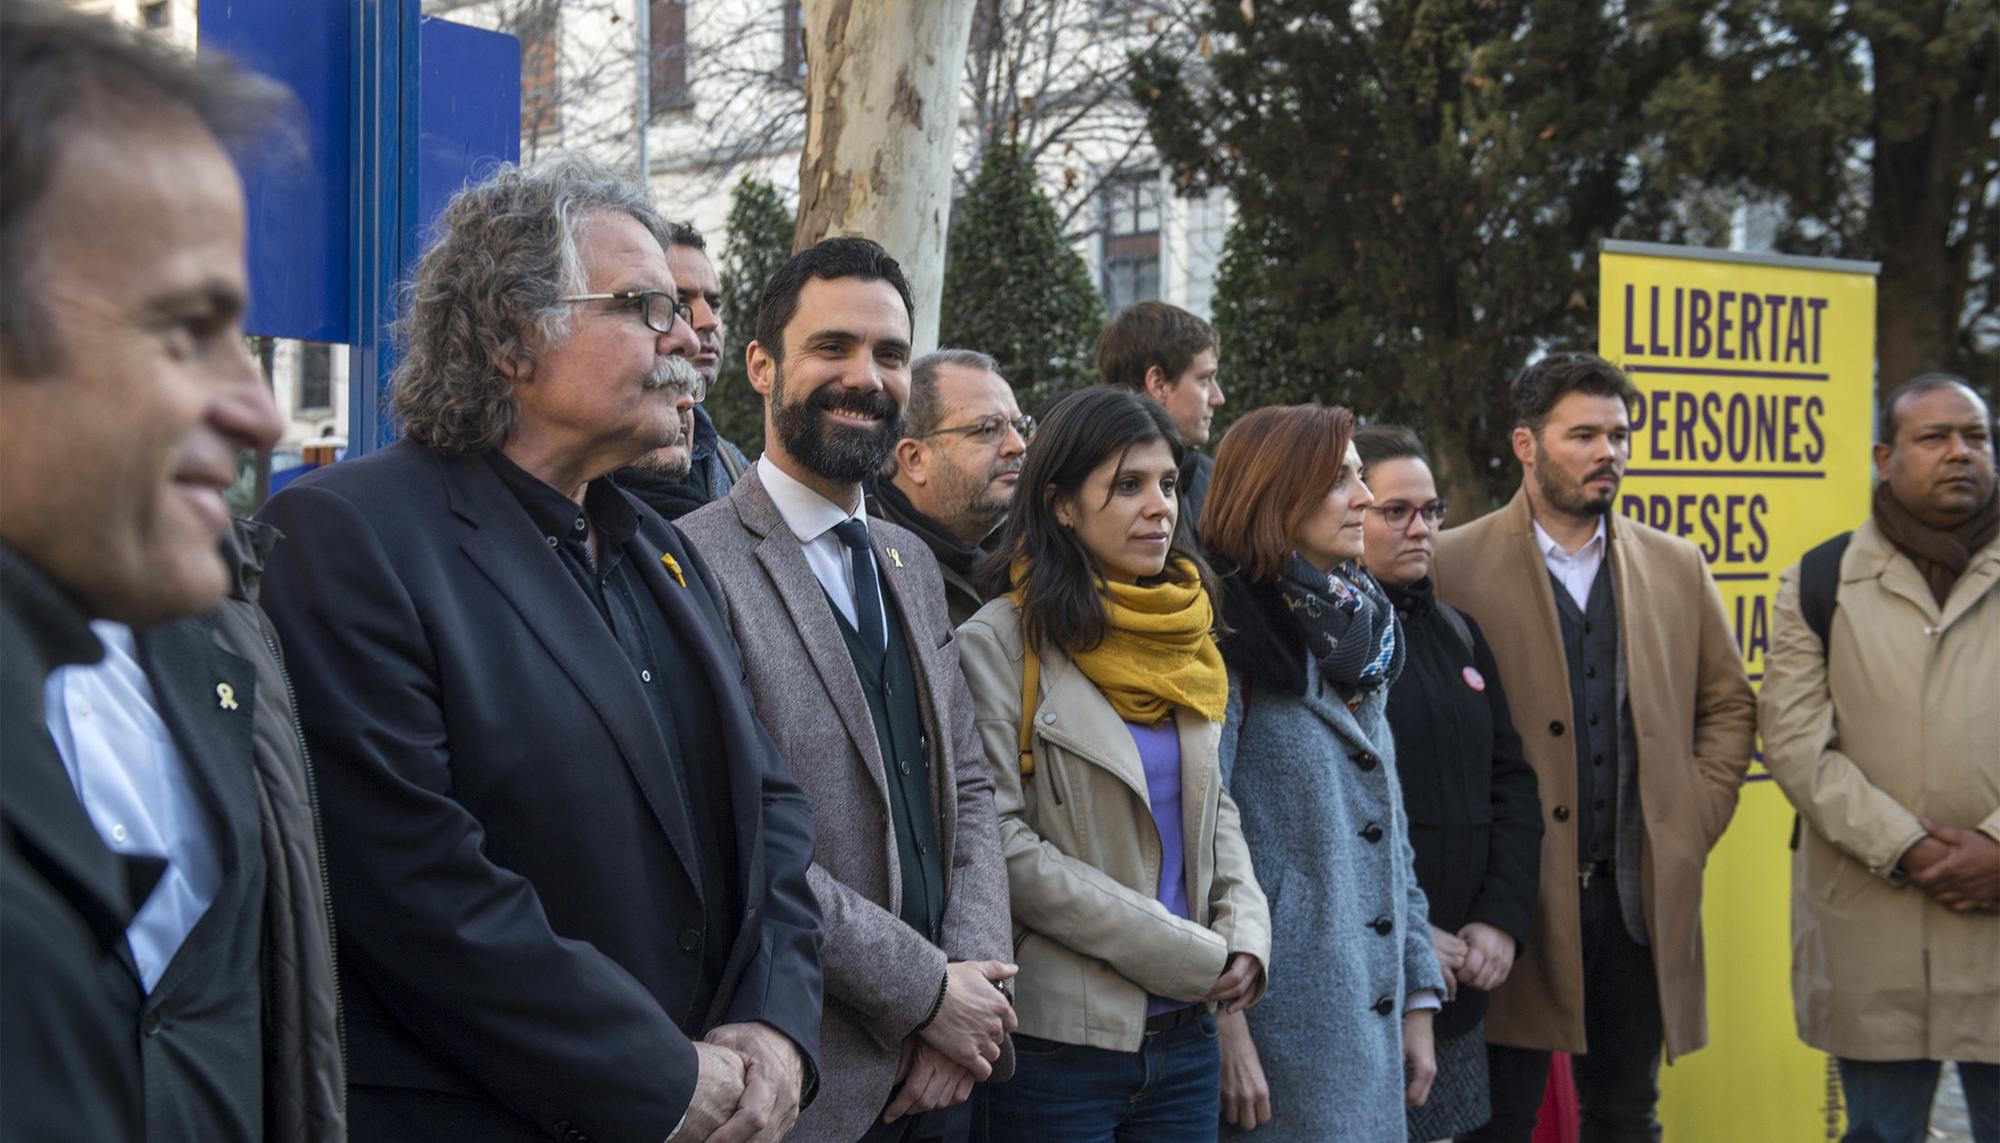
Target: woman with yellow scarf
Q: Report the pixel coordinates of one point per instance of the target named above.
(1099, 691)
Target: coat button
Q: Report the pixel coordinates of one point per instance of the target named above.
(1384, 1006)
(1366, 761)
(1383, 926)
(1556, 727)
(1372, 833)
(690, 940)
(153, 1023)
(903, 767)
(1560, 813)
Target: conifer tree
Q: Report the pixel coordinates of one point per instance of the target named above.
(1013, 285)
(760, 240)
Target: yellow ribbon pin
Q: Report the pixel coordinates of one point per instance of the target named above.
(225, 696)
(895, 557)
(674, 567)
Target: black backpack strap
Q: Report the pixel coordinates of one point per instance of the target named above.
(1819, 586)
(1456, 622)
(1819, 594)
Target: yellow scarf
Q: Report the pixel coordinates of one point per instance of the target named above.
(1160, 650)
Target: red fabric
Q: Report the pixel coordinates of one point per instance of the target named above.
(1558, 1118)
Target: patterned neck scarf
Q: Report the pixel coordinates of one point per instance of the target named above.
(1348, 623)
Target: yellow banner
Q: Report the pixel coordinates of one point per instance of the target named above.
(1752, 442)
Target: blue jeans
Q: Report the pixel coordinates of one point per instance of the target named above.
(1889, 1101)
(1169, 1091)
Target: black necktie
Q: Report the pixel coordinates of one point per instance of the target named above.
(867, 587)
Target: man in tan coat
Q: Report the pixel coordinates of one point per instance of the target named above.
(1633, 706)
(1887, 739)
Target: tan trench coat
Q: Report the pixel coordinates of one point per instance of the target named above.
(1695, 720)
(1901, 720)
(1091, 937)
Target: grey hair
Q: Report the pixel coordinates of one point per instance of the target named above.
(64, 75)
(482, 302)
(923, 410)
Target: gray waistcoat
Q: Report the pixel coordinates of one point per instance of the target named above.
(1607, 751)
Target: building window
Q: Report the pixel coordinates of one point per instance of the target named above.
(157, 15)
(541, 114)
(792, 68)
(668, 64)
(315, 377)
(1131, 262)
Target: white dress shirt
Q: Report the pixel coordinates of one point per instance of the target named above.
(812, 517)
(136, 788)
(1576, 570)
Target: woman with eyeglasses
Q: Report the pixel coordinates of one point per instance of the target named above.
(1098, 692)
(1475, 819)
(1342, 1040)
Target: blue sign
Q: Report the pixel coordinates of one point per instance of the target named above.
(395, 112)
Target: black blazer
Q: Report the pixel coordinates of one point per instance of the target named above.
(1475, 815)
(69, 1067)
(513, 868)
(200, 1029)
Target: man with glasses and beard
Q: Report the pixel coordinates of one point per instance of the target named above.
(569, 866)
(1632, 703)
(843, 625)
(955, 468)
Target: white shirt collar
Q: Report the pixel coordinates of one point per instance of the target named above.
(1554, 551)
(808, 514)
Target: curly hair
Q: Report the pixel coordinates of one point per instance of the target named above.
(483, 297)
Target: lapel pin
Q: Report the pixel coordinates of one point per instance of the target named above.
(895, 557)
(674, 568)
(225, 696)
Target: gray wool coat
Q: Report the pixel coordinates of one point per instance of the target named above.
(881, 975)
(1311, 778)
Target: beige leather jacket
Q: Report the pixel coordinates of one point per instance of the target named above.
(1083, 853)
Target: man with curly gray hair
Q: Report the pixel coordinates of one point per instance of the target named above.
(569, 864)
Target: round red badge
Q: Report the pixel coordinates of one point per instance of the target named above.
(1474, 679)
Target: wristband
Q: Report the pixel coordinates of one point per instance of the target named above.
(937, 1005)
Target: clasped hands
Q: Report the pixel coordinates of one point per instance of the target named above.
(1958, 867)
(748, 1088)
(961, 1043)
(1478, 955)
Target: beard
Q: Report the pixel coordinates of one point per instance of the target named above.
(971, 496)
(1569, 496)
(836, 452)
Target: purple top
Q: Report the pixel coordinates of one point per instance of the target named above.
(1160, 756)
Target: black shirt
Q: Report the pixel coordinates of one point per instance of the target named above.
(682, 701)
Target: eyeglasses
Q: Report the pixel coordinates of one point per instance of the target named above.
(1397, 514)
(987, 429)
(655, 307)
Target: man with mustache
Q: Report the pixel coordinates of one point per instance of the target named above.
(702, 466)
(1880, 726)
(1634, 709)
(954, 470)
(843, 624)
(569, 865)
(165, 966)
